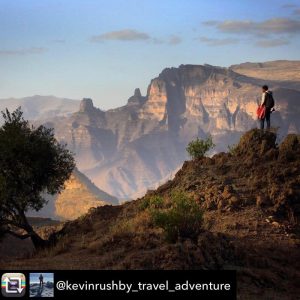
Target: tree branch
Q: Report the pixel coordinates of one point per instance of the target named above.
(10, 222)
(19, 236)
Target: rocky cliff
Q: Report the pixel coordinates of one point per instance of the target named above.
(127, 150)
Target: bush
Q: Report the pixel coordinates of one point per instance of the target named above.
(152, 202)
(181, 219)
(232, 149)
(199, 147)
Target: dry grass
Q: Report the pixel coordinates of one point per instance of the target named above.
(62, 246)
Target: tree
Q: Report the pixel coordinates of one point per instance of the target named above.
(197, 148)
(32, 162)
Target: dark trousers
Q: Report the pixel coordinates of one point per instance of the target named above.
(267, 118)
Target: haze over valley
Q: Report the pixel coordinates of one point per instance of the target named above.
(135, 147)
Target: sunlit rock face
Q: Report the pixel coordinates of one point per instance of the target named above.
(78, 196)
(156, 106)
(127, 150)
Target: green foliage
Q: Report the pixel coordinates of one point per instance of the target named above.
(32, 162)
(198, 147)
(152, 202)
(181, 218)
(232, 149)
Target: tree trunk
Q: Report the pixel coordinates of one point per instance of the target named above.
(37, 241)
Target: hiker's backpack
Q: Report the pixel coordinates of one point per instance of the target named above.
(269, 100)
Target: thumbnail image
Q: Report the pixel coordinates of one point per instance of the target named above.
(41, 285)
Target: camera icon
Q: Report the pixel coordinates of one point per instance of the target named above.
(13, 285)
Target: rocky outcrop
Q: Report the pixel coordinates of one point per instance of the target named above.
(137, 98)
(86, 105)
(127, 150)
(251, 174)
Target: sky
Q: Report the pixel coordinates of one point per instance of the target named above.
(34, 277)
(105, 49)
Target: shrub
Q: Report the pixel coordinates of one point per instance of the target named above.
(182, 219)
(232, 149)
(198, 147)
(152, 202)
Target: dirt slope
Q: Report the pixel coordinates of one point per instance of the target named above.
(251, 203)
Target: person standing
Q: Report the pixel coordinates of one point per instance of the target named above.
(41, 278)
(267, 101)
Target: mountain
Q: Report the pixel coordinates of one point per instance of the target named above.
(79, 195)
(250, 199)
(41, 107)
(127, 150)
(280, 70)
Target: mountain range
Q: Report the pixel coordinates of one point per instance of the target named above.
(133, 148)
(40, 107)
(127, 150)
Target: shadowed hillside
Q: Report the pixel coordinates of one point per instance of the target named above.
(250, 199)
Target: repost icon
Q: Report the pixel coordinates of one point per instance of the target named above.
(13, 285)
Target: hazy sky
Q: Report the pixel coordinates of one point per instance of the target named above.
(105, 49)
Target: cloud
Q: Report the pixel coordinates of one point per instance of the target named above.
(272, 43)
(24, 51)
(218, 42)
(271, 26)
(267, 27)
(121, 35)
(289, 5)
(236, 26)
(269, 33)
(134, 35)
(174, 40)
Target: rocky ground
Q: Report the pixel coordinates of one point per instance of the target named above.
(47, 290)
(251, 203)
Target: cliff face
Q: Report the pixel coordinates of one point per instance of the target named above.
(130, 149)
(213, 98)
